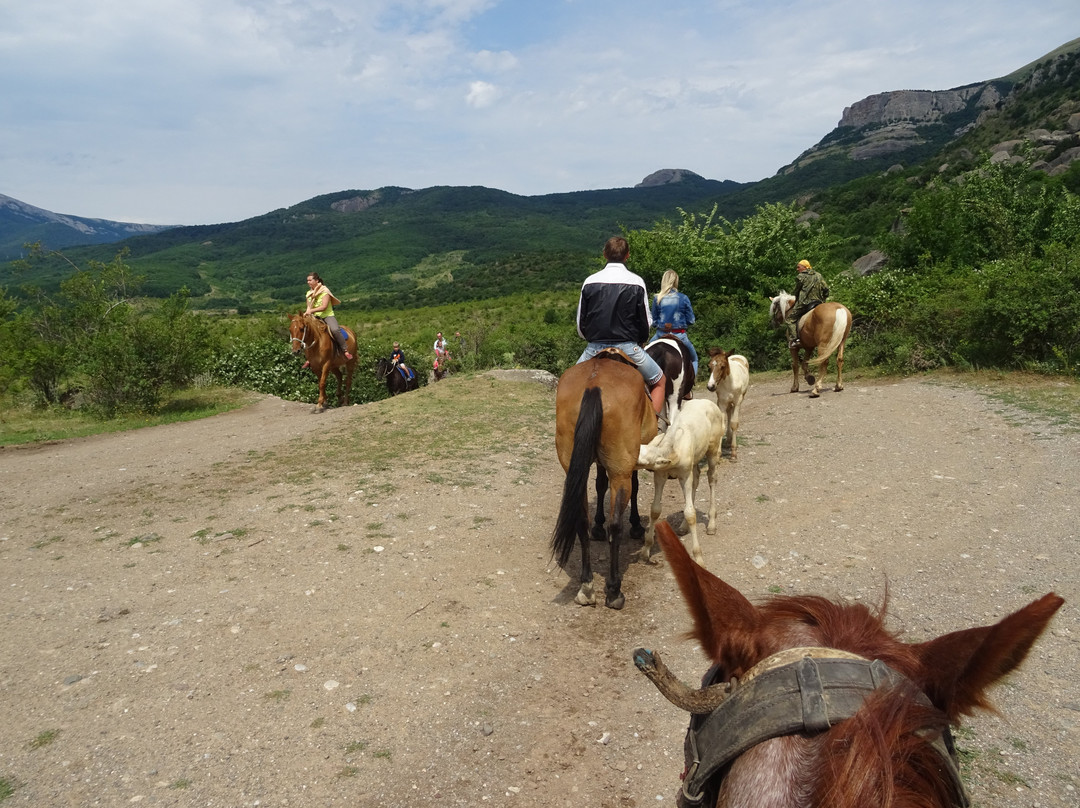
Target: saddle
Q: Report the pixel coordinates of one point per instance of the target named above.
(616, 355)
(407, 373)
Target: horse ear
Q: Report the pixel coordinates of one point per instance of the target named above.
(957, 668)
(726, 624)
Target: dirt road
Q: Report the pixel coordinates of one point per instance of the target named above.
(274, 608)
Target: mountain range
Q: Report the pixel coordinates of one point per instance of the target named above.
(397, 242)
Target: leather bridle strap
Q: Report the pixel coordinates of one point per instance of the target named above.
(806, 696)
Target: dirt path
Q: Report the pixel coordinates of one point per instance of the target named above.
(274, 608)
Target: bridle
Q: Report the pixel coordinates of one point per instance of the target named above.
(797, 691)
(301, 338)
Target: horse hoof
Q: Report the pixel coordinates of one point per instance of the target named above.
(584, 600)
(617, 602)
(794, 389)
(644, 555)
(810, 379)
(815, 394)
(598, 533)
(637, 532)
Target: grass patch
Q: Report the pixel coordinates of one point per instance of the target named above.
(7, 788)
(352, 747)
(28, 425)
(318, 723)
(180, 784)
(146, 538)
(386, 754)
(45, 738)
(40, 543)
(277, 695)
(349, 771)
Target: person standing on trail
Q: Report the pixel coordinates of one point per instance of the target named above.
(613, 312)
(810, 290)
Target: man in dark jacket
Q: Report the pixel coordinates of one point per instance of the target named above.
(810, 290)
(613, 312)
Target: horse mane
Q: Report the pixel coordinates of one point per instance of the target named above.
(854, 627)
(880, 756)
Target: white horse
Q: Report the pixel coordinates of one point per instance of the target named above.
(695, 435)
(729, 377)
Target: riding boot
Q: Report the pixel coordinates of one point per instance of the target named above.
(657, 394)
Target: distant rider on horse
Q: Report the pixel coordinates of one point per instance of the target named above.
(397, 359)
(810, 290)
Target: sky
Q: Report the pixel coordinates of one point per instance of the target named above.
(208, 111)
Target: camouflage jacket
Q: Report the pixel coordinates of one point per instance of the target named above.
(810, 289)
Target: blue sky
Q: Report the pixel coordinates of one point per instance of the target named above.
(205, 111)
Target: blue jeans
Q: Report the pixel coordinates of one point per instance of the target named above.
(645, 363)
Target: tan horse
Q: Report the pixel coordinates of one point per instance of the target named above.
(311, 335)
(602, 415)
(825, 327)
(815, 703)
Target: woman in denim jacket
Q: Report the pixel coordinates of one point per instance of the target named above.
(672, 313)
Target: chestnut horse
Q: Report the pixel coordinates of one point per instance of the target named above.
(602, 415)
(813, 703)
(825, 327)
(673, 358)
(311, 335)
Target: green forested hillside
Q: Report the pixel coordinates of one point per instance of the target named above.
(490, 242)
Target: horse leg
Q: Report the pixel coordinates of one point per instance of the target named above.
(599, 533)
(320, 405)
(815, 380)
(350, 369)
(731, 432)
(839, 369)
(714, 459)
(620, 491)
(689, 483)
(645, 553)
(637, 531)
(795, 370)
(585, 595)
(340, 386)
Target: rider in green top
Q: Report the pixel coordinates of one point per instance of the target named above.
(810, 290)
(320, 302)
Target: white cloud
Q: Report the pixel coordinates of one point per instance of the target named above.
(194, 111)
(481, 94)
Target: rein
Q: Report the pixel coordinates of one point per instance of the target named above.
(797, 691)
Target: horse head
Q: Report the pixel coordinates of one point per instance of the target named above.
(298, 333)
(778, 307)
(890, 738)
(383, 368)
(719, 369)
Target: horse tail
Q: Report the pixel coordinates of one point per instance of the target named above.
(840, 328)
(573, 510)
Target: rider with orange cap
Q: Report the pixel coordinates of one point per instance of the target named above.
(810, 290)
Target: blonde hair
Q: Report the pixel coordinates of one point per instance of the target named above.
(669, 283)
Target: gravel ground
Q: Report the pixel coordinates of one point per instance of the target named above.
(359, 608)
